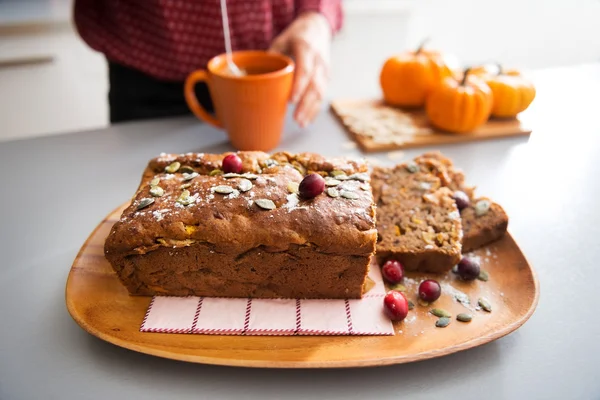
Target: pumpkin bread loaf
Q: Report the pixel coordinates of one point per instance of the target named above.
(418, 222)
(192, 230)
(483, 221)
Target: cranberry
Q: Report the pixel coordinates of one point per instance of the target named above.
(468, 268)
(311, 186)
(429, 290)
(462, 200)
(395, 305)
(232, 164)
(392, 271)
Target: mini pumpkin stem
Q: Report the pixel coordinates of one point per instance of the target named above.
(465, 74)
(422, 45)
(499, 66)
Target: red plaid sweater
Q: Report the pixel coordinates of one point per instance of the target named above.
(167, 39)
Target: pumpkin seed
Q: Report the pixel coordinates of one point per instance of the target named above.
(216, 172)
(399, 287)
(482, 207)
(442, 322)
(145, 202)
(365, 187)
(270, 163)
(333, 192)
(462, 298)
(157, 191)
(342, 177)
(348, 195)
(189, 176)
(332, 182)
(244, 185)
(155, 181)
(412, 167)
(231, 175)
(464, 317)
(185, 198)
(249, 176)
(440, 312)
(265, 203)
(361, 176)
(484, 304)
(336, 172)
(173, 167)
(483, 276)
(292, 187)
(422, 302)
(187, 169)
(411, 305)
(185, 186)
(222, 189)
(299, 167)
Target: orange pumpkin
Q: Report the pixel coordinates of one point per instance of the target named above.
(460, 106)
(513, 93)
(407, 79)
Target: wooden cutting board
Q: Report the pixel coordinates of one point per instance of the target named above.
(377, 127)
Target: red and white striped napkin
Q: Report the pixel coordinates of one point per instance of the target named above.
(231, 316)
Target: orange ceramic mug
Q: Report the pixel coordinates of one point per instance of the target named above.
(252, 107)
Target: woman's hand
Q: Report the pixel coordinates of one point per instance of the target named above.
(308, 41)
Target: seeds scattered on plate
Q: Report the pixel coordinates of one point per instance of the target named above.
(250, 176)
(485, 304)
(244, 185)
(423, 303)
(483, 276)
(156, 191)
(216, 172)
(231, 175)
(440, 312)
(173, 167)
(462, 298)
(442, 322)
(464, 317)
(187, 169)
(155, 181)
(399, 287)
(222, 189)
(145, 202)
(265, 204)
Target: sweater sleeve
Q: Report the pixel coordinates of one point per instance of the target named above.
(331, 10)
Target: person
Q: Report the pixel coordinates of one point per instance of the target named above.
(152, 45)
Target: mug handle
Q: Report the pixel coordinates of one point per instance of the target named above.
(192, 101)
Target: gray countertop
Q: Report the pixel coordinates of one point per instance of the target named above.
(55, 190)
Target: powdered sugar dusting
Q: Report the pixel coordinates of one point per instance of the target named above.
(292, 201)
(160, 214)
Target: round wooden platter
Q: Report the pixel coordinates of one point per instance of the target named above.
(100, 304)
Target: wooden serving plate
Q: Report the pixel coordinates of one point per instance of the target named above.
(100, 304)
(493, 129)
